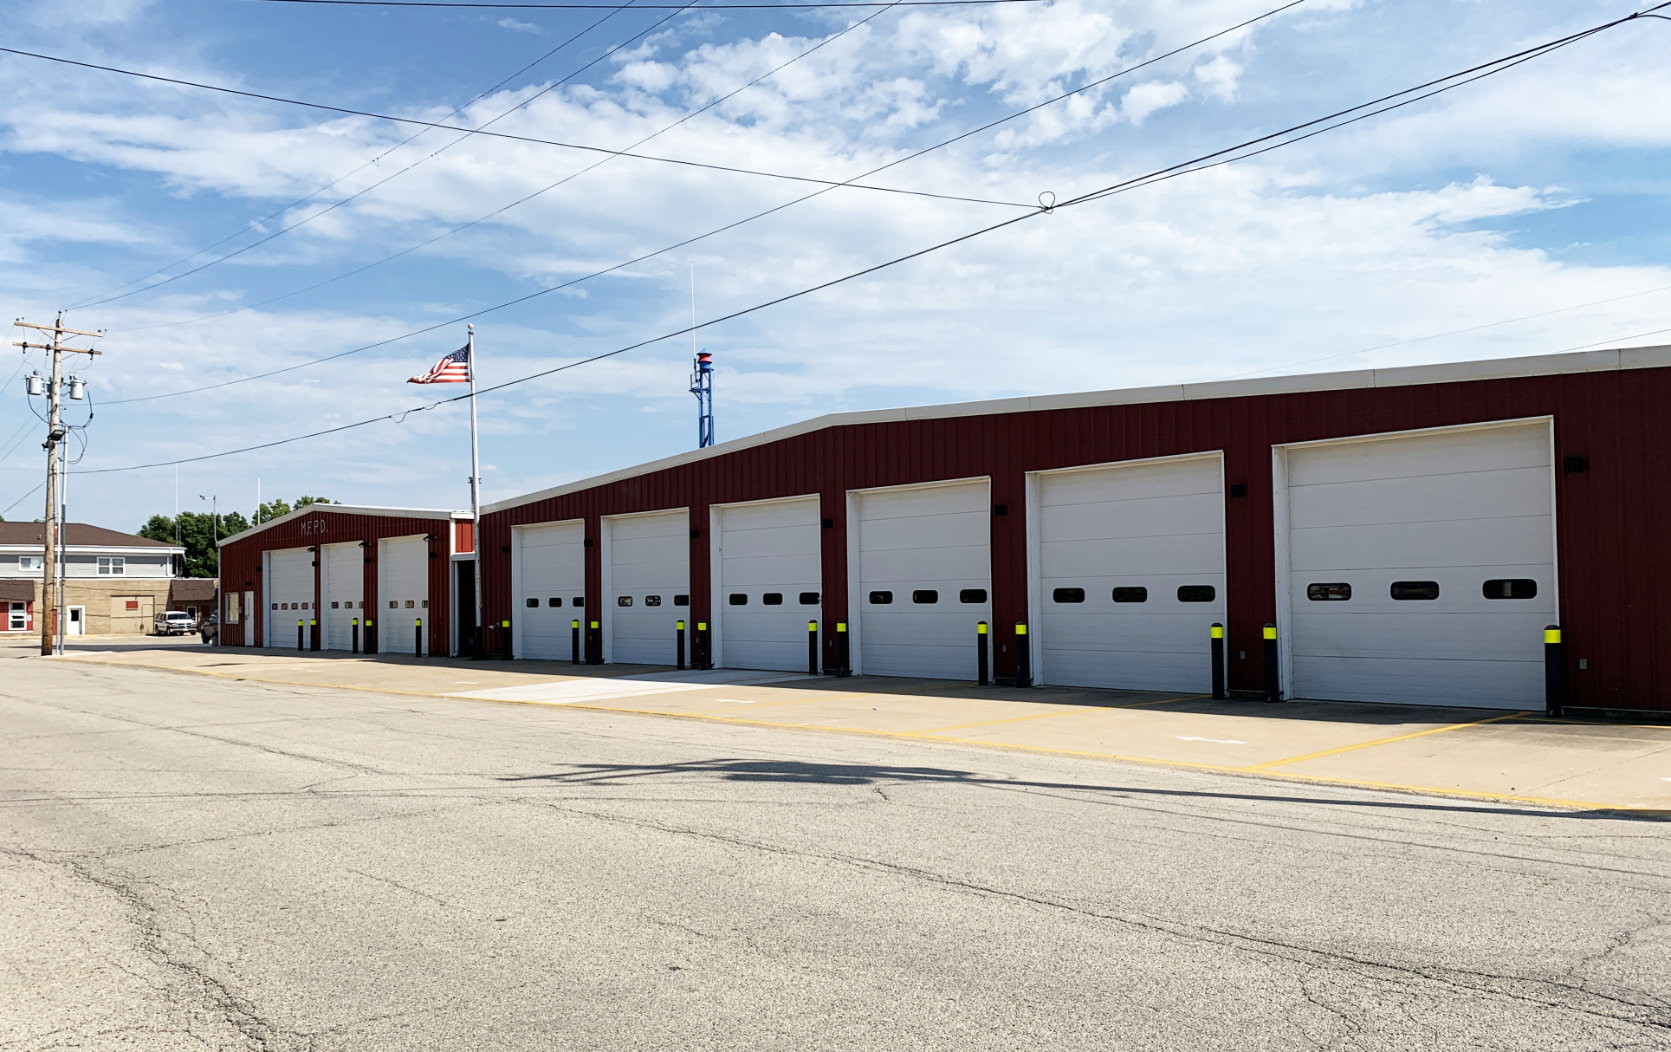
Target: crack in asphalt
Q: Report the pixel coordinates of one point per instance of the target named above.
(1476, 981)
(210, 993)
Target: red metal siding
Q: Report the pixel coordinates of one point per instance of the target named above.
(241, 570)
(464, 537)
(1615, 578)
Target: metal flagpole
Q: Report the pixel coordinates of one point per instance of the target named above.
(475, 489)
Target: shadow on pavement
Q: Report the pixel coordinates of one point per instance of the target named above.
(801, 773)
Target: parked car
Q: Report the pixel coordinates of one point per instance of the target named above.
(209, 628)
(173, 623)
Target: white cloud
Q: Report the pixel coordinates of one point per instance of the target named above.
(520, 27)
(1145, 100)
(1390, 231)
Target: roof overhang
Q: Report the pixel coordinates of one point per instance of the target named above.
(1400, 376)
(339, 509)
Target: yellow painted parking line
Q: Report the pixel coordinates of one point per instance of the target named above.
(1151, 761)
(1381, 741)
(1065, 712)
(1256, 771)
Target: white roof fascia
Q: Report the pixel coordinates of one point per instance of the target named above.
(92, 549)
(1401, 376)
(341, 509)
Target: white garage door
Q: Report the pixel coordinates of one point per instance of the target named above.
(550, 573)
(289, 595)
(1421, 568)
(648, 585)
(766, 583)
(1130, 571)
(924, 575)
(343, 586)
(402, 593)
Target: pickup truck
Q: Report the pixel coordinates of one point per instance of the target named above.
(173, 623)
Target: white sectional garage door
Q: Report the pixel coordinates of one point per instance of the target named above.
(766, 582)
(402, 592)
(550, 574)
(289, 594)
(343, 585)
(924, 574)
(1421, 568)
(1129, 564)
(648, 585)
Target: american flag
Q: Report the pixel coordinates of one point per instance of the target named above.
(453, 369)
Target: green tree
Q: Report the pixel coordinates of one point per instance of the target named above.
(272, 509)
(195, 531)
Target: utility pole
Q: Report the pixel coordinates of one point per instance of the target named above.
(55, 434)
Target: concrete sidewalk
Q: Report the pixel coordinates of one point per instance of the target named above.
(1475, 753)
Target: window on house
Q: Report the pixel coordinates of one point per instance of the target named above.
(881, 598)
(579, 601)
(972, 595)
(681, 600)
(1067, 595)
(809, 598)
(531, 602)
(652, 600)
(737, 599)
(1131, 594)
(1196, 593)
(18, 617)
(410, 604)
(1415, 590)
(29, 562)
(623, 600)
(1511, 588)
(772, 599)
(1329, 592)
(555, 600)
(925, 595)
(112, 566)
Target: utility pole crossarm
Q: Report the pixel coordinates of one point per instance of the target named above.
(57, 329)
(26, 345)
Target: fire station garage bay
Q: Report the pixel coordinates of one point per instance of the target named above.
(1407, 534)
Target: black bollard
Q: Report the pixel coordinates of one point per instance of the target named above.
(679, 645)
(983, 670)
(1273, 674)
(1554, 672)
(812, 648)
(1218, 661)
(418, 637)
(844, 666)
(574, 641)
(1023, 658)
(356, 636)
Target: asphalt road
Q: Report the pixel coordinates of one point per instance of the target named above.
(188, 864)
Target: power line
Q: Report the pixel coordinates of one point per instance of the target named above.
(745, 6)
(457, 111)
(348, 111)
(1385, 104)
(527, 197)
(1091, 85)
(402, 171)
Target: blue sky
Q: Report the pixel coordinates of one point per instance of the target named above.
(1542, 189)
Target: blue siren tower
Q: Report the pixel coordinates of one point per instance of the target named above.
(702, 386)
